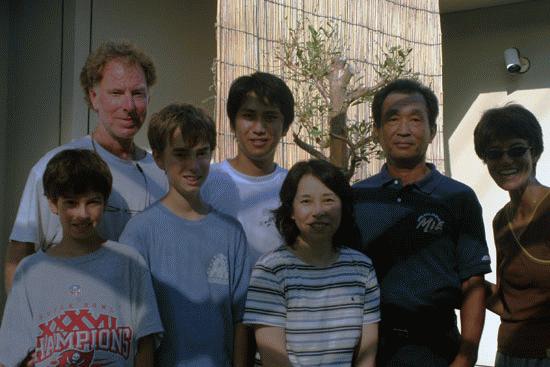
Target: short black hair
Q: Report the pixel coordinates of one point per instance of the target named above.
(333, 178)
(509, 122)
(74, 172)
(194, 123)
(268, 88)
(406, 86)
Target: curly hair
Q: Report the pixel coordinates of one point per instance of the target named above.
(92, 71)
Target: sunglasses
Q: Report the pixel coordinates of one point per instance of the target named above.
(513, 152)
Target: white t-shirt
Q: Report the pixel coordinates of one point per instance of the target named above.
(250, 200)
(136, 185)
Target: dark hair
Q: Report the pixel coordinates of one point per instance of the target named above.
(74, 172)
(92, 71)
(508, 122)
(406, 86)
(333, 178)
(268, 88)
(194, 123)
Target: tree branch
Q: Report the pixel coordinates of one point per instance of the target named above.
(308, 148)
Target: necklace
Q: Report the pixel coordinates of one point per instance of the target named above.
(516, 236)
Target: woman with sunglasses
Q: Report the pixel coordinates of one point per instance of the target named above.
(315, 301)
(509, 141)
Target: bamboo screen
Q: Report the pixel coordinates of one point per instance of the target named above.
(249, 33)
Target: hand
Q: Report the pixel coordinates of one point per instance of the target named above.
(30, 360)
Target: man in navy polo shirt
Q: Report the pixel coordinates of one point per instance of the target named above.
(425, 235)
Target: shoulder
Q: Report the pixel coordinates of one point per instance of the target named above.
(280, 257)
(40, 166)
(150, 217)
(125, 253)
(349, 254)
(224, 221)
(369, 182)
(446, 184)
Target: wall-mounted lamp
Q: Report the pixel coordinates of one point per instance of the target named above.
(515, 64)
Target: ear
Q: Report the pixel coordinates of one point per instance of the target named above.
(157, 156)
(92, 95)
(53, 206)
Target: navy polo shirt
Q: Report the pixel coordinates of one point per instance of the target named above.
(424, 238)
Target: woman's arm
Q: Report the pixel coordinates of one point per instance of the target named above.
(145, 352)
(365, 353)
(494, 303)
(271, 342)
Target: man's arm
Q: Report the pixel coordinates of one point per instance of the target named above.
(243, 347)
(145, 352)
(15, 252)
(271, 341)
(472, 318)
(365, 355)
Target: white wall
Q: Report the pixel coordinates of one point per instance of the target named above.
(474, 79)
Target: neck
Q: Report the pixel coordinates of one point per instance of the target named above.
(122, 148)
(70, 247)
(524, 201)
(251, 167)
(408, 175)
(187, 207)
(322, 253)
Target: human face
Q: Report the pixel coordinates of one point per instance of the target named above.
(120, 99)
(405, 132)
(79, 215)
(186, 167)
(316, 210)
(511, 173)
(258, 129)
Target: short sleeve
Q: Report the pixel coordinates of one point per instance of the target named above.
(16, 337)
(132, 236)
(472, 252)
(240, 276)
(371, 311)
(265, 301)
(146, 315)
(34, 221)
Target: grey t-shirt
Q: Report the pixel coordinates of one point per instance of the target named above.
(81, 310)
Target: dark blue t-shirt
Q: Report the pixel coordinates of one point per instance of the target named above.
(424, 238)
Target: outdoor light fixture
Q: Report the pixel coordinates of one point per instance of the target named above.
(515, 64)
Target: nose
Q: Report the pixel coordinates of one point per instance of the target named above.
(318, 210)
(129, 104)
(82, 211)
(259, 126)
(403, 128)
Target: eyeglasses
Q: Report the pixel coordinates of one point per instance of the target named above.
(513, 152)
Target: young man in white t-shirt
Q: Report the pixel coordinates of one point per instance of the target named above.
(260, 107)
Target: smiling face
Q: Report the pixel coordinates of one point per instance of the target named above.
(120, 99)
(316, 210)
(405, 132)
(79, 215)
(186, 166)
(510, 173)
(258, 129)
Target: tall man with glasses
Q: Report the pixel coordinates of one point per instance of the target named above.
(116, 79)
(424, 233)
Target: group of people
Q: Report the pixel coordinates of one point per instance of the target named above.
(164, 259)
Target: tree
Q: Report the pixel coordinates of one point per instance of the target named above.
(313, 57)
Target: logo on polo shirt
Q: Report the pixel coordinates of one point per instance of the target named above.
(430, 223)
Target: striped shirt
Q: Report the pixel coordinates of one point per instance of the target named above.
(322, 309)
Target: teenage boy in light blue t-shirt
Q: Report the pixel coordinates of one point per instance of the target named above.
(197, 256)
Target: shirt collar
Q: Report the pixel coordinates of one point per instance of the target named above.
(427, 184)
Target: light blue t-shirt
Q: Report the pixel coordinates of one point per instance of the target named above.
(200, 274)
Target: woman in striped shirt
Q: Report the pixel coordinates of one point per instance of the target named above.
(315, 301)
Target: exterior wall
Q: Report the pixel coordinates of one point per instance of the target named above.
(474, 79)
(41, 103)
